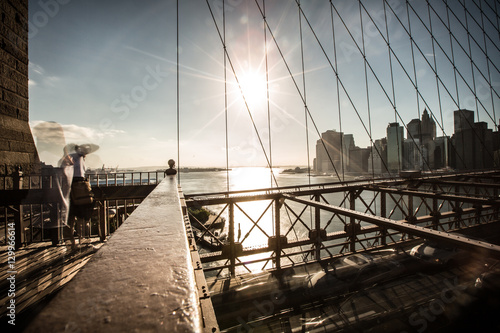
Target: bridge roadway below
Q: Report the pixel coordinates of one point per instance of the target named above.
(417, 296)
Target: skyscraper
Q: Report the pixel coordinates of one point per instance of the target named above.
(328, 151)
(395, 137)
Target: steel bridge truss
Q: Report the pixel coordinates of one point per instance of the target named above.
(324, 221)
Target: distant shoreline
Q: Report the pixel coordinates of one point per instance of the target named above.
(202, 169)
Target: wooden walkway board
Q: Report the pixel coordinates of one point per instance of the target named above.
(41, 269)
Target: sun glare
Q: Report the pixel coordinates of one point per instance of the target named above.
(254, 88)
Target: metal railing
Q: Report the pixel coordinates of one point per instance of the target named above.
(320, 222)
(33, 204)
(126, 178)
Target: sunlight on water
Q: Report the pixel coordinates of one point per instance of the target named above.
(250, 178)
(254, 221)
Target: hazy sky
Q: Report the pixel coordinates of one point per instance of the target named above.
(105, 71)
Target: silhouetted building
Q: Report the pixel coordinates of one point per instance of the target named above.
(328, 152)
(472, 144)
(349, 144)
(413, 154)
(359, 159)
(377, 161)
(463, 120)
(395, 139)
(424, 132)
(439, 153)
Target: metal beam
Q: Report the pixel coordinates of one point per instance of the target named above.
(438, 195)
(459, 241)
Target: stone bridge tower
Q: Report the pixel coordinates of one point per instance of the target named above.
(17, 147)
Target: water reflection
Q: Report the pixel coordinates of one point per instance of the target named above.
(254, 221)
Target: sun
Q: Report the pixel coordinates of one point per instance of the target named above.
(254, 88)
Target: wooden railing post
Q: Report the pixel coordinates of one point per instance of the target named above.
(317, 225)
(103, 220)
(277, 224)
(352, 222)
(232, 251)
(18, 211)
(383, 213)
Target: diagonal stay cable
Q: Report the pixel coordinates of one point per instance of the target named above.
(483, 13)
(409, 77)
(241, 92)
(372, 71)
(488, 69)
(463, 50)
(485, 33)
(459, 73)
(453, 64)
(297, 88)
(366, 83)
(436, 68)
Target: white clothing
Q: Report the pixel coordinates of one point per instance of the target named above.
(78, 164)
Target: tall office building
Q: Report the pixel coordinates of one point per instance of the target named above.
(412, 155)
(329, 150)
(377, 161)
(424, 132)
(439, 158)
(395, 139)
(472, 144)
(463, 120)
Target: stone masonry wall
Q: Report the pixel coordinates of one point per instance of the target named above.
(17, 147)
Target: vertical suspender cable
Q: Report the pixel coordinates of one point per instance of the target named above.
(435, 67)
(366, 80)
(225, 92)
(392, 71)
(471, 61)
(412, 42)
(178, 107)
(305, 102)
(452, 52)
(338, 86)
(267, 92)
(488, 64)
(304, 92)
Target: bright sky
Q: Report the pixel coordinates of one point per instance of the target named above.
(105, 71)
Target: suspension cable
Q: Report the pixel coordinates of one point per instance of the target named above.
(177, 100)
(233, 70)
(415, 78)
(435, 67)
(268, 98)
(304, 92)
(366, 79)
(225, 94)
(487, 62)
(338, 91)
(471, 64)
(451, 48)
(296, 86)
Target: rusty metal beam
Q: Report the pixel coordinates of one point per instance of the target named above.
(438, 195)
(459, 241)
(460, 183)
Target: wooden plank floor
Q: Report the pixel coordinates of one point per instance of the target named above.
(41, 270)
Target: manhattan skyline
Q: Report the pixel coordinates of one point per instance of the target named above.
(107, 72)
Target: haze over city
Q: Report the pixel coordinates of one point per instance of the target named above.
(106, 72)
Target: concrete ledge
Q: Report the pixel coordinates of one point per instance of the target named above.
(141, 280)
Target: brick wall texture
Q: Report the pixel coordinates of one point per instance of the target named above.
(17, 147)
